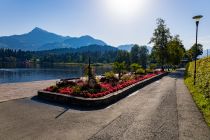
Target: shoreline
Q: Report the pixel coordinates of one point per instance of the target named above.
(57, 63)
(10, 83)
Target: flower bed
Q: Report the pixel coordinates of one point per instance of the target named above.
(80, 88)
(98, 99)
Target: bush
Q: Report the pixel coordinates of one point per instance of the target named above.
(152, 66)
(77, 89)
(126, 77)
(140, 71)
(119, 68)
(135, 67)
(149, 71)
(109, 75)
(202, 75)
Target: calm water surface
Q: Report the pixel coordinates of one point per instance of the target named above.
(12, 73)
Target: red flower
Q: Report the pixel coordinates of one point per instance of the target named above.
(49, 89)
(89, 95)
(80, 83)
(66, 90)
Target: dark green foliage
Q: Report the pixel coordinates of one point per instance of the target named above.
(139, 55)
(143, 56)
(123, 56)
(135, 54)
(57, 56)
(8, 55)
(175, 51)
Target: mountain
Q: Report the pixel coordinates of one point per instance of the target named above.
(84, 49)
(128, 47)
(83, 41)
(39, 39)
(96, 48)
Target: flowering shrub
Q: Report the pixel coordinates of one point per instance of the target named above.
(81, 88)
(51, 89)
(66, 90)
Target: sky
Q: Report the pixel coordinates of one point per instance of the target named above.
(116, 22)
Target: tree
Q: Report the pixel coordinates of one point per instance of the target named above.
(194, 51)
(139, 55)
(175, 51)
(134, 54)
(160, 38)
(123, 56)
(143, 56)
(119, 68)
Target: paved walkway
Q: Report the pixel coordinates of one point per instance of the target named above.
(163, 110)
(21, 90)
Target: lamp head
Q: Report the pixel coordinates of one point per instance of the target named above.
(197, 18)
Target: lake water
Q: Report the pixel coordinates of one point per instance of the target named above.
(12, 73)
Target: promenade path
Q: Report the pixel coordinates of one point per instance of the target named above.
(10, 91)
(163, 110)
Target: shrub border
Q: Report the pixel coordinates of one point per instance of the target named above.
(97, 102)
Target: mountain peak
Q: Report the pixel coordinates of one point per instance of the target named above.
(39, 39)
(87, 36)
(37, 29)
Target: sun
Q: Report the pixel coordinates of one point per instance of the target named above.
(124, 8)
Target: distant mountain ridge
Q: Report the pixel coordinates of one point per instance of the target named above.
(39, 39)
(126, 47)
(84, 49)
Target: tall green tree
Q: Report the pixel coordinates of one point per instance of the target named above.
(134, 54)
(139, 55)
(160, 39)
(195, 51)
(123, 56)
(175, 51)
(143, 56)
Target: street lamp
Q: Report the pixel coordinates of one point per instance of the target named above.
(197, 19)
(89, 70)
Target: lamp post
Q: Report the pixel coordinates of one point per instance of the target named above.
(197, 19)
(89, 70)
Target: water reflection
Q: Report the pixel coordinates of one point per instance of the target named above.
(10, 73)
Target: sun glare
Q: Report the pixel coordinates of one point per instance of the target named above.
(124, 8)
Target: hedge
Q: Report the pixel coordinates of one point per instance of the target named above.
(201, 90)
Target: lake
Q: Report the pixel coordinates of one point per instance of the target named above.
(12, 73)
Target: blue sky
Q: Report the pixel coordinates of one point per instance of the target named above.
(114, 21)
